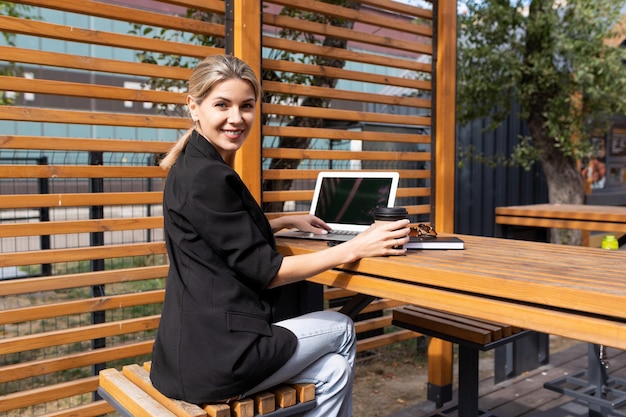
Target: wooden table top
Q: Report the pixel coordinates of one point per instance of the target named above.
(610, 219)
(567, 211)
(571, 291)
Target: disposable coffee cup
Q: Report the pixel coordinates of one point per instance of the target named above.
(384, 215)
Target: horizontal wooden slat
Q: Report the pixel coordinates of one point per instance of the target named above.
(54, 392)
(335, 293)
(381, 304)
(375, 323)
(93, 409)
(306, 132)
(55, 59)
(311, 174)
(375, 342)
(34, 114)
(80, 171)
(216, 6)
(344, 74)
(80, 200)
(81, 254)
(333, 93)
(296, 195)
(72, 89)
(353, 35)
(74, 360)
(338, 53)
(79, 334)
(96, 37)
(417, 209)
(292, 153)
(335, 114)
(79, 226)
(58, 143)
(130, 14)
(59, 282)
(378, 305)
(399, 7)
(302, 195)
(89, 305)
(378, 20)
(413, 192)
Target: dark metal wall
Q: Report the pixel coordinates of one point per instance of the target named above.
(480, 188)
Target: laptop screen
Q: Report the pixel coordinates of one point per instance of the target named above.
(348, 200)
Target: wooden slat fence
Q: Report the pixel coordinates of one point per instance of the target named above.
(82, 257)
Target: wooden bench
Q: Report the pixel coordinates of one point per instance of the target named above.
(132, 394)
(471, 335)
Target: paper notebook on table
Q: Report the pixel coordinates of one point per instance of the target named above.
(437, 242)
(346, 202)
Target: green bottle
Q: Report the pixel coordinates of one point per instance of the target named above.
(609, 242)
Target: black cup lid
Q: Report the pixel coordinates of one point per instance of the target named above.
(390, 212)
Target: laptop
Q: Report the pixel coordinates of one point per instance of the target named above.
(346, 202)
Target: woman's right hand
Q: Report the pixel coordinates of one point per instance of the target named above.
(381, 240)
(378, 240)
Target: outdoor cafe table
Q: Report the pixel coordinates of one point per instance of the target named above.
(570, 291)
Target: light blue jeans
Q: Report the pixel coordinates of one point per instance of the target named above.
(325, 356)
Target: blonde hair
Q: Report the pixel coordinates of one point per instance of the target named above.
(211, 71)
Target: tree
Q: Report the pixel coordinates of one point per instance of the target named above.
(553, 59)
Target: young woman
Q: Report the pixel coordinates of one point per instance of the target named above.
(217, 339)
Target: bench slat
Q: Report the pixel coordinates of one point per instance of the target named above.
(140, 377)
(285, 396)
(498, 331)
(243, 408)
(213, 410)
(265, 402)
(442, 325)
(304, 392)
(130, 396)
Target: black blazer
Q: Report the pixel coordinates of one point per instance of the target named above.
(215, 339)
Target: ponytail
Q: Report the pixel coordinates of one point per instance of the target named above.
(176, 150)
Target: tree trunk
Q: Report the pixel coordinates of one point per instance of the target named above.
(565, 183)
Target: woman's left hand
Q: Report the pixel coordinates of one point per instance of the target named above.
(303, 222)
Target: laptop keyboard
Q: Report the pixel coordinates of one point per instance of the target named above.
(344, 232)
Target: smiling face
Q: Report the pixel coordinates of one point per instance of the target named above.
(225, 116)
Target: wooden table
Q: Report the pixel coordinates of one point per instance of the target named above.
(588, 218)
(570, 291)
(591, 218)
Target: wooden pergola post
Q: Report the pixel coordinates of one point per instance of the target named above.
(440, 351)
(445, 115)
(246, 44)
